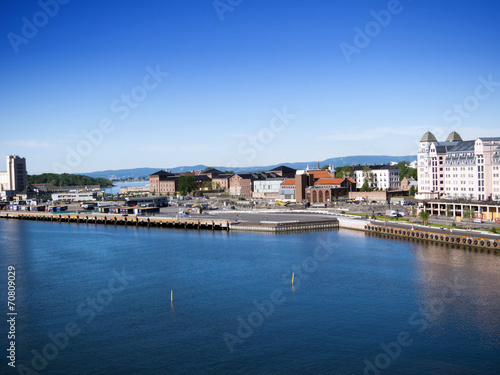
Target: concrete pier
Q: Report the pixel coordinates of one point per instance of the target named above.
(197, 223)
(282, 227)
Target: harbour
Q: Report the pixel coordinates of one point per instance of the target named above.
(198, 301)
(183, 223)
(280, 221)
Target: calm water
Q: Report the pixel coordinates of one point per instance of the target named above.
(116, 189)
(353, 295)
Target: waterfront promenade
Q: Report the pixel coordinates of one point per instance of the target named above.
(279, 220)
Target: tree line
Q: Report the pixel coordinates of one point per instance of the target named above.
(67, 179)
(404, 171)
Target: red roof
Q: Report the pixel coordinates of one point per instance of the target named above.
(290, 181)
(329, 181)
(320, 174)
(351, 180)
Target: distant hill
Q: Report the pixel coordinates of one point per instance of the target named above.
(336, 162)
(119, 174)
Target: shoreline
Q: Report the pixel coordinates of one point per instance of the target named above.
(304, 221)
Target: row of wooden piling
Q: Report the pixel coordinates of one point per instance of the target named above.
(472, 239)
(122, 220)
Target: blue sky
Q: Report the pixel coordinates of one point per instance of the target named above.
(95, 85)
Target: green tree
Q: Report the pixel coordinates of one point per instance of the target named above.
(424, 215)
(406, 171)
(412, 172)
(448, 211)
(186, 184)
(365, 187)
(325, 167)
(67, 179)
(346, 171)
(466, 212)
(228, 172)
(413, 191)
(403, 168)
(367, 177)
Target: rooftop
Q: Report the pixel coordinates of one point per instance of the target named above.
(373, 167)
(319, 174)
(161, 173)
(330, 181)
(290, 181)
(283, 168)
(428, 137)
(212, 171)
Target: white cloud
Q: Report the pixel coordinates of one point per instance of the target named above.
(29, 143)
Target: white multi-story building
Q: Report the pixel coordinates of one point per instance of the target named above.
(75, 195)
(15, 177)
(268, 188)
(459, 169)
(385, 177)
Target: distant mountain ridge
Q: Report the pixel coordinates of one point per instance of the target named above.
(336, 162)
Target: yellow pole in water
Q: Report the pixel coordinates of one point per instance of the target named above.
(293, 276)
(171, 296)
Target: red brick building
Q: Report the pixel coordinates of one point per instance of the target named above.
(163, 182)
(241, 185)
(222, 181)
(325, 190)
(305, 179)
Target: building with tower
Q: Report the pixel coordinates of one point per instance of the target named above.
(455, 168)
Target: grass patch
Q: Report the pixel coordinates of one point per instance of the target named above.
(370, 216)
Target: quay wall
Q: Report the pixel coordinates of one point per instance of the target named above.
(121, 220)
(476, 240)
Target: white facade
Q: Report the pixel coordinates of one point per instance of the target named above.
(75, 196)
(4, 181)
(384, 177)
(267, 188)
(459, 169)
(15, 177)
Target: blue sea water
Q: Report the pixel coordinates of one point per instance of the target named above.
(117, 185)
(97, 300)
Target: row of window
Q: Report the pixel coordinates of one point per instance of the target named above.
(461, 168)
(461, 189)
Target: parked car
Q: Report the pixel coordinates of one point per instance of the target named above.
(477, 220)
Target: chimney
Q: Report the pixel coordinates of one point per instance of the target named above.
(318, 165)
